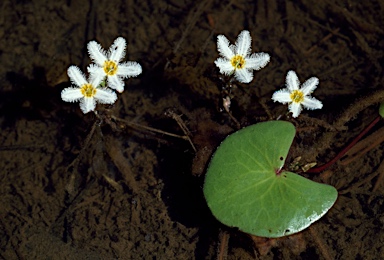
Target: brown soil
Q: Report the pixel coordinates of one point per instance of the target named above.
(134, 194)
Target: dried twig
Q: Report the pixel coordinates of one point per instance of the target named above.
(182, 125)
(347, 148)
(194, 15)
(326, 38)
(364, 146)
(325, 141)
(322, 246)
(222, 249)
(379, 180)
(148, 128)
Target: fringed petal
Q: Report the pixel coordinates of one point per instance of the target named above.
(282, 96)
(76, 76)
(257, 61)
(243, 43)
(309, 86)
(97, 53)
(295, 108)
(71, 94)
(116, 82)
(243, 75)
(224, 48)
(312, 103)
(129, 69)
(292, 81)
(105, 96)
(117, 51)
(87, 104)
(225, 66)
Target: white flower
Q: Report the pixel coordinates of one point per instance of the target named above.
(108, 64)
(237, 59)
(296, 97)
(86, 91)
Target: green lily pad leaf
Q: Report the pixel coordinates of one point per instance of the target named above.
(246, 188)
(381, 110)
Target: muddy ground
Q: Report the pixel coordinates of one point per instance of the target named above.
(130, 193)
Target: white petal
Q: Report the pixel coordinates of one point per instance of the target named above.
(97, 74)
(292, 81)
(225, 66)
(87, 104)
(117, 51)
(243, 75)
(71, 94)
(257, 61)
(282, 96)
(116, 82)
(105, 96)
(243, 43)
(97, 53)
(295, 108)
(129, 69)
(312, 103)
(309, 86)
(76, 76)
(95, 69)
(224, 47)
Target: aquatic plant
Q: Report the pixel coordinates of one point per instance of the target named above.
(237, 59)
(87, 92)
(246, 185)
(107, 72)
(298, 97)
(108, 64)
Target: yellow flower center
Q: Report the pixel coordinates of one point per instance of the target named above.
(238, 62)
(88, 90)
(297, 96)
(110, 67)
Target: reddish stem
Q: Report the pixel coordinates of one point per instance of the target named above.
(349, 146)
